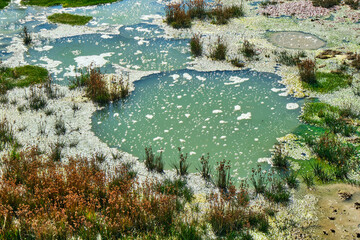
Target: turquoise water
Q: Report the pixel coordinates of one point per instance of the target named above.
(232, 115)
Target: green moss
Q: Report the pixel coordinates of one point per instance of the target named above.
(23, 76)
(4, 3)
(66, 3)
(71, 19)
(329, 82)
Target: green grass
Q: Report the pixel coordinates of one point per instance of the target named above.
(66, 3)
(23, 76)
(71, 19)
(314, 112)
(329, 82)
(4, 3)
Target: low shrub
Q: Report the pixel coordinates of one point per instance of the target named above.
(7, 136)
(288, 59)
(248, 49)
(183, 166)
(177, 188)
(332, 150)
(197, 9)
(99, 89)
(325, 3)
(96, 87)
(291, 179)
(37, 100)
(354, 4)
(237, 63)
(99, 157)
(259, 180)
(219, 51)
(221, 15)
(27, 39)
(307, 71)
(196, 45)
(205, 167)
(177, 16)
(43, 199)
(277, 192)
(223, 175)
(60, 128)
(308, 179)
(152, 162)
(229, 215)
(55, 151)
(356, 62)
(279, 158)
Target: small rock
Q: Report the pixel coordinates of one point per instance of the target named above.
(358, 235)
(332, 230)
(357, 205)
(331, 218)
(325, 232)
(344, 195)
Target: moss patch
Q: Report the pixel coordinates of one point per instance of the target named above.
(4, 3)
(65, 3)
(314, 112)
(21, 76)
(329, 82)
(71, 19)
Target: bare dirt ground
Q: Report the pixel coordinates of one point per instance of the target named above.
(338, 218)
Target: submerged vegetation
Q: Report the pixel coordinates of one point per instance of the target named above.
(67, 18)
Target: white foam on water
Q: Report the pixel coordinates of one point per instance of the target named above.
(292, 106)
(150, 16)
(222, 137)
(187, 115)
(201, 78)
(41, 49)
(244, 116)
(236, 80)
(158, 138)
(182, 140)
(175, 76)
(179, 106)
(237, 108)
(192, 153)
(278, 89)
(217, 111)
(116, 114)
(138, 52)
(222, 121)
(97, 60)
(267, 160)
(149, 116)
(129, 28)
(105, 36)
(187, 76)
